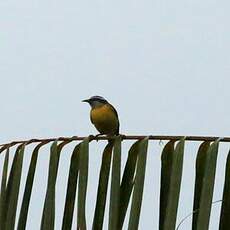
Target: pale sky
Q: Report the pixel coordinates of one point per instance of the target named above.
(165, 66)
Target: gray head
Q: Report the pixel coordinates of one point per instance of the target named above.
(96, 101)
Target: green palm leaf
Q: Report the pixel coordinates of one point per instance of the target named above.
(82, 186)
(128, 181)
(48, 215)
(138, 185)
(28, 188)
(207, 187)
(225, 209)
(115, 186)
(102, 187)
(166, 168)
(174, 187)
(13, 186)
(200, 171)
(71, 189)
(3, 203)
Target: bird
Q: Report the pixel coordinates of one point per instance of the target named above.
(103, 116)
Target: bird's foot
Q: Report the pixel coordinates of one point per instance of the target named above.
(123, 136)
(98, 135)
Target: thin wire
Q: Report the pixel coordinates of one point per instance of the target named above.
(190, 214)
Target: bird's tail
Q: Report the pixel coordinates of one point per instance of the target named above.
(112, 140)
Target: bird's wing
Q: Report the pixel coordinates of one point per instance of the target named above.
(115, 111)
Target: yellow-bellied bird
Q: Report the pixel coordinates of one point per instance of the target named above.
(103, 115)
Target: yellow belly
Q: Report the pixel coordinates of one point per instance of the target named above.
(105, 119)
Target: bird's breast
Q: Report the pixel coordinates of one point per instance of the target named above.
(105, 119)
(102, 114)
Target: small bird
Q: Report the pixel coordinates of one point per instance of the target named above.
(103, 115)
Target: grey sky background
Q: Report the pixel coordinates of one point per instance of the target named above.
(164, 65)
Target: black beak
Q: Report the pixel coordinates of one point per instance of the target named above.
(86, 100)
